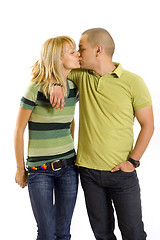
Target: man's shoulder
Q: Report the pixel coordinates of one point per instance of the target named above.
(79, 71)
(132, 75)
(136, 84)
(78, 75)
(131, 78)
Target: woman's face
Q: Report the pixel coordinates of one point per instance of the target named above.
(70, 58)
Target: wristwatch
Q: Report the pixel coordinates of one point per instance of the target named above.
(134, 162)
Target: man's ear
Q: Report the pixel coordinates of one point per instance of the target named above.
(99, 50)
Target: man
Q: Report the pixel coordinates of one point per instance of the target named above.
(109, 99)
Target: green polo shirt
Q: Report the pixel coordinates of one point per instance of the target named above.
(107, 107)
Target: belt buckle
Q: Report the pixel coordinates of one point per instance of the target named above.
(53, 166)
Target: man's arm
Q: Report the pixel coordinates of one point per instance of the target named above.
(146, 121)
(57, 95)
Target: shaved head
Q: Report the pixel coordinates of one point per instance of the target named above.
(100, 36)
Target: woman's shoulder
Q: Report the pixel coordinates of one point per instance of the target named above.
(34, 87)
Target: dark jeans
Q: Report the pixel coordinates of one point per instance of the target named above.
(53, 196)
(101, 190)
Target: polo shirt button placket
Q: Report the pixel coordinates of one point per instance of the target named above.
(99, 87)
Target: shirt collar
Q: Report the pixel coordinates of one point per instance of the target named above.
(118, 71)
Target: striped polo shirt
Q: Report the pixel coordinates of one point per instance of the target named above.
(49, 130)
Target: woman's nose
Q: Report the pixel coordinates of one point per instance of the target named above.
(78, 54)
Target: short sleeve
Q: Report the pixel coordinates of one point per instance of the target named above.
(140, 95)
(29, 98)
(76, 76)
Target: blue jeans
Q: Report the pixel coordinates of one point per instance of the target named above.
(102, 190)
(53, 196)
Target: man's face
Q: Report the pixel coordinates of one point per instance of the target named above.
(87, 53)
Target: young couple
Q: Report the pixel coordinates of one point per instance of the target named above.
(109, 99)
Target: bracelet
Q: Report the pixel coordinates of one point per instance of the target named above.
(134, 162)
(58, 84)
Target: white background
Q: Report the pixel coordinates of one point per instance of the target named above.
(25, 25)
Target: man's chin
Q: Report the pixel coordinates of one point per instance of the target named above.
(83, 66)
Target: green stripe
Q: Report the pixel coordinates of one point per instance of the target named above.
(49, 143)
(66, 111)
(52, 134)
(26, 106)
(57, 156)
(28, 102)
(31, 92)
(69, 102)
(71, 84)
(47, 119)
(50, 151)
(50, 112)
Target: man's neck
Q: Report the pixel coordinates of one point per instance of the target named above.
(104, 68)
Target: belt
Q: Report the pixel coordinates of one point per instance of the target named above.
(55, 165)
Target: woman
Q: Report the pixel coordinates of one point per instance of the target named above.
(52, 176)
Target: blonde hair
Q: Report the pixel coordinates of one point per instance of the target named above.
(47, 70)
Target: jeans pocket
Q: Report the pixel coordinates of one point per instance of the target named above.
(33, 176)
(127, 172)
(130, 179)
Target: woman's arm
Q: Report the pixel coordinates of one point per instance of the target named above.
(22, 120)
(72, 128)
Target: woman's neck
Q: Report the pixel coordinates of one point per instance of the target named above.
(65, 74)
